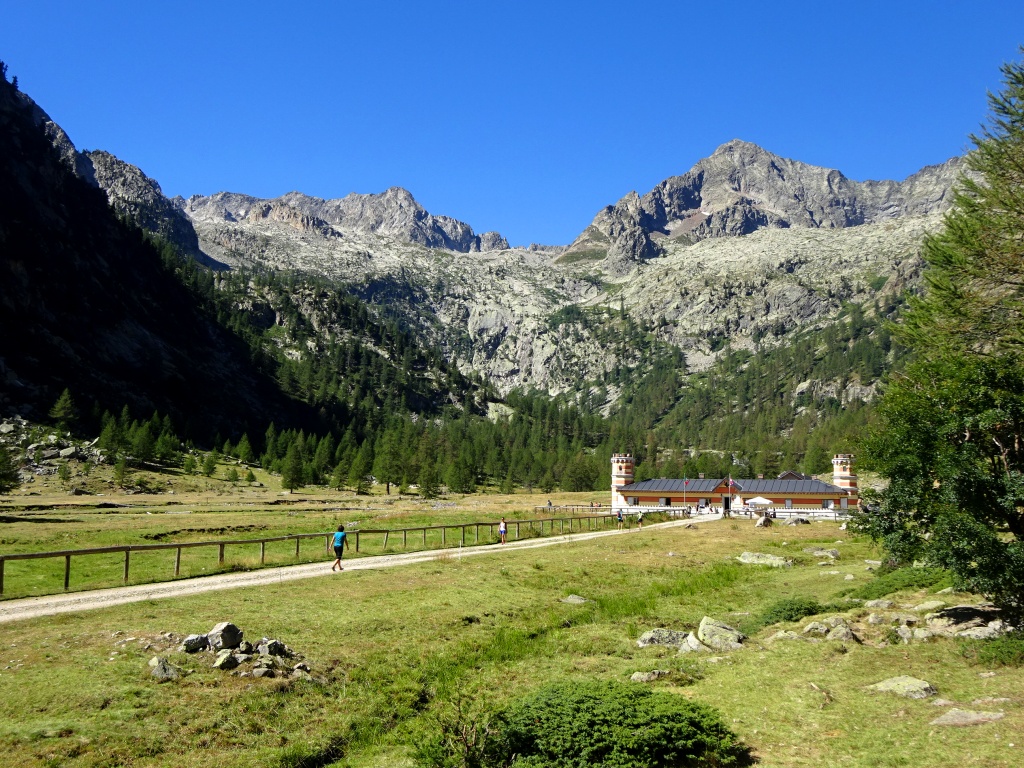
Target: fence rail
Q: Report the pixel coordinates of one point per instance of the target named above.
(515, 528)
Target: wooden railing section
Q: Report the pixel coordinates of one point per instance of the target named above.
(515, 528)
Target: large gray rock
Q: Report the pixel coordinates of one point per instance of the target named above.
(966, 717)
(930, 605)
(879, 604)
(224, 635)
(661, 637)
(842, 633)
(816, 628)
(904, 685)
(979, 633)
(785, 634)
(715, 634)
(226, 660)
(798, 521)
(268, 647)
(758, 558)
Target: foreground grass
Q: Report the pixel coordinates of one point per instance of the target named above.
(392, 648)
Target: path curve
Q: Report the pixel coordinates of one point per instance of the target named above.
(50, 605)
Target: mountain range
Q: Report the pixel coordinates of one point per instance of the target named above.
(743, 251)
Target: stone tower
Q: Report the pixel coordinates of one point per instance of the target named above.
(622, 475)
(843, 477)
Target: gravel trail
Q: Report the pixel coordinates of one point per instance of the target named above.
(50, 605)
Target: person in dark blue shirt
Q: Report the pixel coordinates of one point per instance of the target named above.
(340, 542)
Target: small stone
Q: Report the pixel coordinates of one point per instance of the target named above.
(163, 671)
(904, 685)
(816, 628)
(875, 618)
(245, 647)
(991, 700)
(649, 677)
(692, 645)
(923, 634)
(301, 667)
(930, 605)
(879, 604)
(758, 558)
(574, 600)
(264, 672)
(905, 633)
(194, 643)
(986, 674)
(225, 660)
(661, 637)
(875, 563)
(965, 717)
(848, 577)
(943, 703)
(271, 648)
(785, 634)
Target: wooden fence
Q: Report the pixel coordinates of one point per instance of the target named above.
(515, 528)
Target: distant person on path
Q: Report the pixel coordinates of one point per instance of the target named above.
(640, 520)
(340, 542)
(502, 530)
(619, 521)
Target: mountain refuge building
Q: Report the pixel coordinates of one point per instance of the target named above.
(789, 491)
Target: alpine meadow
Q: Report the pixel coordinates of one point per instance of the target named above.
(735, 477)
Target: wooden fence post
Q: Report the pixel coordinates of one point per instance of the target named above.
(220, 555)
(357, 541)
(263, 551)
(2, 561)
(405, 538)
(424, 538)
(177, 562)
(462, 541)
(67, 572)
(127, 555)
(443, 540)
(517, 529)
(385, 548)
(297, 540)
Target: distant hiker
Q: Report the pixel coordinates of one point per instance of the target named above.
(502, 530)
(549, 502)
(340, 542)
(619, 521)
(640, 520)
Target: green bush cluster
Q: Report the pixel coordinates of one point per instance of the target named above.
(794, 609)
(1005, 651)
(594, 724)
(902, 578)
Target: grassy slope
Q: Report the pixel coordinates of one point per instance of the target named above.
(391, 645)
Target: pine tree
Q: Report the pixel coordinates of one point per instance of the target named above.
(64, 412)
(9, 475)
(292, 470)
(244, 450)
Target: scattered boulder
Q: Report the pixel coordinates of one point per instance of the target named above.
(245, 647)
(842, 633)
(224, 635)
(923, 634)
(268, 647)
(819, 552)
(979, 633)
(816, 628)
(162, 670)
(758, 558)
(194, 644)
(875, 618)
(719, 636)
(661, 637)
(798, 521)
(692, 645)
(763, 522)
(965, 717)
(226, 660)
(905, 633)
(785, 634)
(848, 577)
(930, 605)
(649, 677)
(264, 672)
(905, 685)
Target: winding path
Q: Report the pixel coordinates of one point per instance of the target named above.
(50, 605)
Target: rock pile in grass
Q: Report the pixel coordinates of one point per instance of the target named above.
(759, 558)
(230, 652)
(711, 635)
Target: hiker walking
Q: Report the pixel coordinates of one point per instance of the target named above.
(619, 521)
(640, 520)
(502, 530)
(340, 542)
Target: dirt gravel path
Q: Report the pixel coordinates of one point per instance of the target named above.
(49, 605)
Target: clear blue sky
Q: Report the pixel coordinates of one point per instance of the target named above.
(525, 117)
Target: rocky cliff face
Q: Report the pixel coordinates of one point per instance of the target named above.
(393, 213)
(742, 188)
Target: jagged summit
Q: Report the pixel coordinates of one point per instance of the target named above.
(741, 188)
(393, 212)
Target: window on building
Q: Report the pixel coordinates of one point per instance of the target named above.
(789, 503)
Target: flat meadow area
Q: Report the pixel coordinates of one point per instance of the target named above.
(391, 651)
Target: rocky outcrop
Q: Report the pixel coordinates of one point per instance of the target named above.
(905, 685)
(742, 188)
(393, 213)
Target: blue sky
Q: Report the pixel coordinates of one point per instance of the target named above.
(524, 117)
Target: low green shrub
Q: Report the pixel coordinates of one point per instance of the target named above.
(902, 578)
(588, 724)
(1005, 651)
(790, 609)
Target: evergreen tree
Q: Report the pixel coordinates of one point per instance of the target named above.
(121, 476)
(428, 480)
(64, 412)
(292, 469)
(210, 464)
(9, 475)
(232, 475)
(244, 450)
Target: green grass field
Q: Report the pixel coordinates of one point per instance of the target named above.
(392, 649)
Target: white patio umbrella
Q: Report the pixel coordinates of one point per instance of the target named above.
(759, 501)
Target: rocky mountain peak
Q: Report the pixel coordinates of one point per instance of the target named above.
(741, 188)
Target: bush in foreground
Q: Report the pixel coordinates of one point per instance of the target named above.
(593, 724)
(1005, 651)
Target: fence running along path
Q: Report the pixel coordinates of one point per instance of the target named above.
(515, 528)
